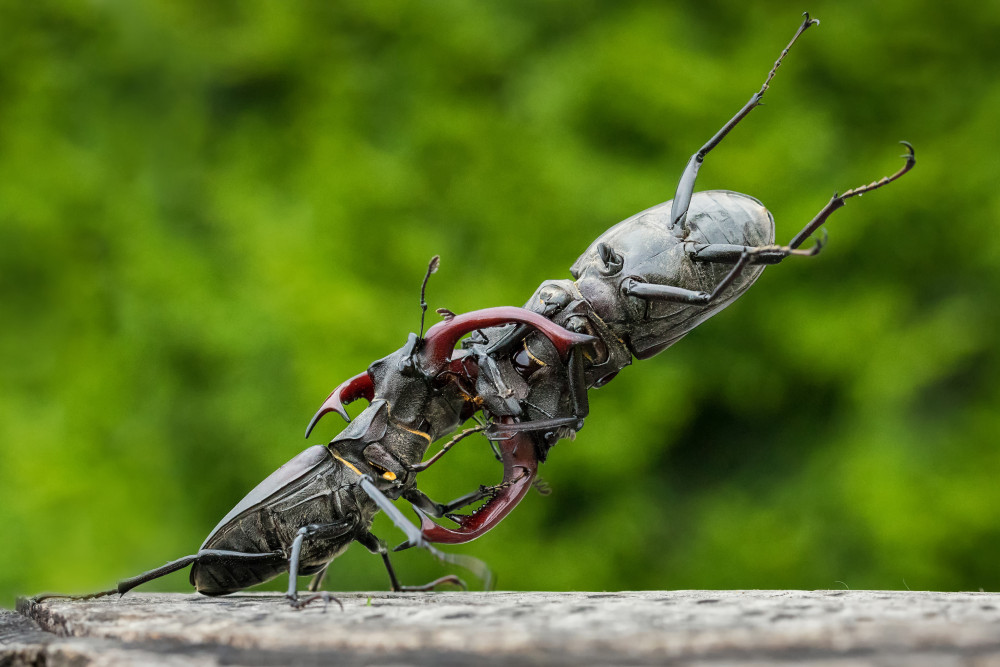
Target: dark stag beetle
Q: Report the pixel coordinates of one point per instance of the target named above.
(637, 290)
(311, 509)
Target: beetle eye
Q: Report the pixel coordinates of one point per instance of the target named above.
(613, 262)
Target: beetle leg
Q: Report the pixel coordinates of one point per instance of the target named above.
(838, 200)
(685, 187)
(421, 501)
(317, 581)
(62, 596)
(416, 539)
(326, 530)
(727, 253)
(377, 546)
(632, 287)
(203, 556)
(420, 467)
(359, 386)
(504, 430)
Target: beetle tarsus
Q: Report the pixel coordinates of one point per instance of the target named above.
(301, 603)
(838, 200)
(35, 599)
(440, 581)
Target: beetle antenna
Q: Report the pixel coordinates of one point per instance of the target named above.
(685, 187)
(432, 267)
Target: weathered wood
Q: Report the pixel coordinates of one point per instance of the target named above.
(634, 628)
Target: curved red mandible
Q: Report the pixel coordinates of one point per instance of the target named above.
(443, 336)
(359, 386)
(520, 465)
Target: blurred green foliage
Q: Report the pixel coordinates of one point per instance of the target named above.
(212, 213)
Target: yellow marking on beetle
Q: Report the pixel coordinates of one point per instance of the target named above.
(416, 432)
(413, 431)
(538, 361)
(349, 465)
(389, 475)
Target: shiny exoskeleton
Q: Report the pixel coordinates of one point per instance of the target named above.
(311, 509)
(523, 374)
(637, 290)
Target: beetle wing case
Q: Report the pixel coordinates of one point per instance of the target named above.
(649, 250)
(276, 482)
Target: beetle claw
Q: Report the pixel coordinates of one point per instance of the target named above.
(911, 155)
(820, 243)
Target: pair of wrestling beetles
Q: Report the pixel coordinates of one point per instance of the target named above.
(522, 375)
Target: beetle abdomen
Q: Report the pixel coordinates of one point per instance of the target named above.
(223, 579)
(305, 491)
(715, 217)
(723, 216)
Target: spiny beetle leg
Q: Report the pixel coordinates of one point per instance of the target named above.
(377, 546)
(503, 430)
(685, 188)
(728, 253)
(520, 466)
(359, 386)
(416, 539)
(425, 504)
(838, 200)
(327, 530)
(205, 556)
(654, 292)
(62, 596)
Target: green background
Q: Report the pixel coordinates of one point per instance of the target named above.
(212, 213)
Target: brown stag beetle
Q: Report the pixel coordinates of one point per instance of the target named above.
(637, 290)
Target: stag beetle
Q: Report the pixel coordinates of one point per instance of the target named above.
(311, 509)
(637, 290)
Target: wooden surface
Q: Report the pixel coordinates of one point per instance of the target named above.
(632, 628)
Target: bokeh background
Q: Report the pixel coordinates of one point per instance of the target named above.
(212, 213)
